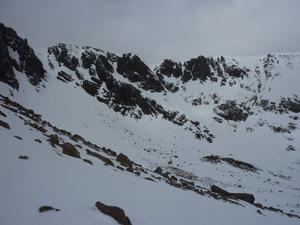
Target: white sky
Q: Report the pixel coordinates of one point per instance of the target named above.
(158, 29)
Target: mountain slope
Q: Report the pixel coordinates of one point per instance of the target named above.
(244, 110)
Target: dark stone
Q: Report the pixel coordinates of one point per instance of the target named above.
(90, 87)
(291, 148)
(88, 161)
(78, 75)
(280, 129)
(53, 139)
(233, 162)
(115, 212)
(219, 120)
(158, 170)
(107, 161)
(70, 150)
(23, 157)
(234, 71)
(63, 76)
(242, 196)
(129, 169)
(37, 127)
(46, 208)
(2, 114)
(38, 140)
(149, 178)
(18, 137)
(88, 59)
(109, 151)
(77, 137)
(124, 160)
(4, 124)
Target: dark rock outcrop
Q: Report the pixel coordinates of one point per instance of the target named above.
(70, 150)
(197, 69)
(63, 56)
(107, 161)
(2, 114)
(158, 170)
(135, 70)
(63, 76)
(242, 196)
(201, 68)
(4, 124)
(124, 160)
(27, 61)
(88, 58)
(77, 137)
(115, 212)
(90, 87)
(233, 162)
(231, 111)
(53, 139)
(88, 161)
(234, 71)
(125, 98)
(46, 208)
(285, 105)
(170, 68)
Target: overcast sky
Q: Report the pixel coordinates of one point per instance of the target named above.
(158, 29)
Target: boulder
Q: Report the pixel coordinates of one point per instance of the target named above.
(124, 160)
(23, 157)
(135, 70)
(53, 139)
(88, 161)
(242, 196)
(77, 137)
(107, 161)
(90, 87)
(46, 208)
(2, 114)
(115, 212)
(70, 150)
(158, 170)
(4, 124)
(231, 111)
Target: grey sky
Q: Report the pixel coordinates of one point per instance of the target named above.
(158, 29)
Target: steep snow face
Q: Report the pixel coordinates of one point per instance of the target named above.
(173, 116)
(49, 178)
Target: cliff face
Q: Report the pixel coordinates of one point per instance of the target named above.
(15, 53)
